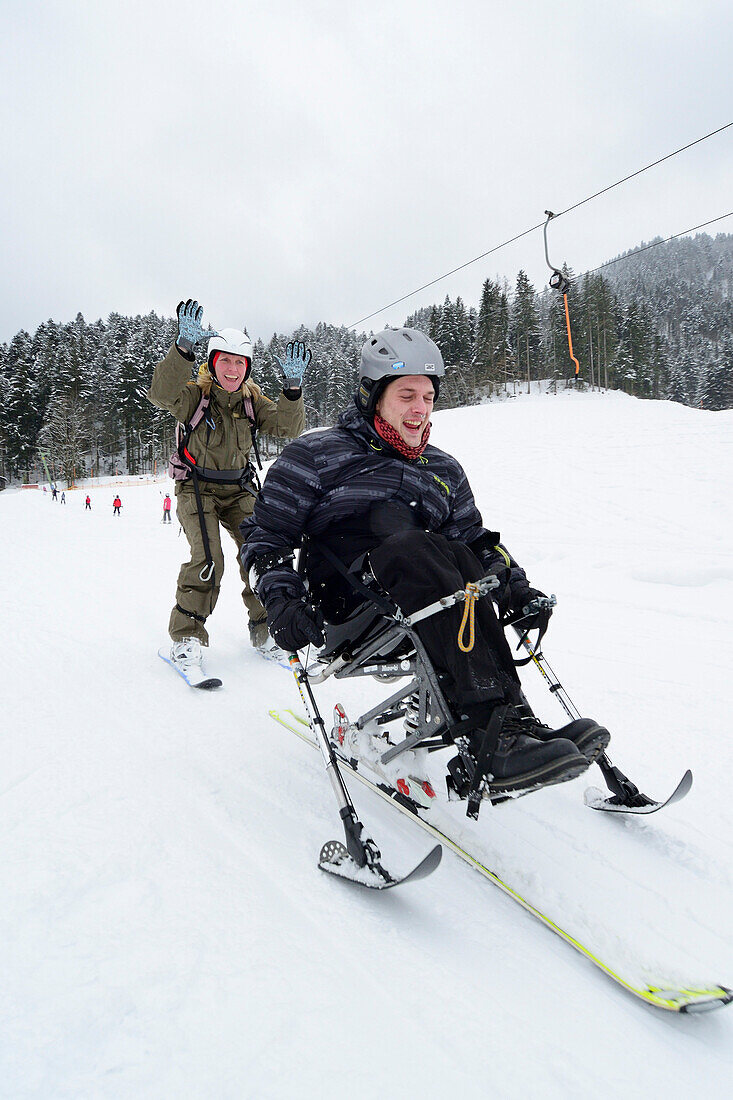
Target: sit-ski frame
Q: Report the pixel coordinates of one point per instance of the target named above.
(434, 716)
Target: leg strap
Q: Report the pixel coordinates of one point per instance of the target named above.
(191, 614)
(208, 573)
(487, 749)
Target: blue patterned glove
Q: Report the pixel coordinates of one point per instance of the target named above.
(297, 360)
(190, 329)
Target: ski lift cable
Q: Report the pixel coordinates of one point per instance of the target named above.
(654, 244)
(539, 225)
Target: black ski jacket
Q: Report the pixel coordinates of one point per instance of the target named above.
(348, 488)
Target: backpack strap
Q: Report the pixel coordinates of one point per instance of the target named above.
(249, 412)
(183, 432)
(182, 459)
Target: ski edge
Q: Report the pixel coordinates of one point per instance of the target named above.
(684, 1000)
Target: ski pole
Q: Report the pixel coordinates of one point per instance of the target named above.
(362, 849)
(618, 783)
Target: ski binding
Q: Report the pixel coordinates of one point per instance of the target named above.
(335, 859)
(635, 803)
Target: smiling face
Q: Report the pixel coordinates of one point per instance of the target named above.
(230, 370)
(406, 405)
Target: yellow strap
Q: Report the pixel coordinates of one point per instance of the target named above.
(472, 594)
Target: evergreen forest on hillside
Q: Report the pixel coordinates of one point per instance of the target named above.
(656, 325)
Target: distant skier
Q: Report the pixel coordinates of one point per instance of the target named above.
(116, 504)
(63, 498)
(54, 493)
(166, 509)
(372, 491)
(88, 504)
(215, 480)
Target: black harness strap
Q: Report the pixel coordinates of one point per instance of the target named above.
(377, 598)
(255, 448)
(489, 743)
(211, 574)
(246, 478)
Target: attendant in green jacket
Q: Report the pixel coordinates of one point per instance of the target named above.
(216, 482)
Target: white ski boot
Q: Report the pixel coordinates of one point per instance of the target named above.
(407, 773)
(186, 658)
(265, 644)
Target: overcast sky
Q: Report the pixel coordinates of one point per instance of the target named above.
(289, 162)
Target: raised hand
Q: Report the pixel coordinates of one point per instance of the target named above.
(297, 360)
(190, 329)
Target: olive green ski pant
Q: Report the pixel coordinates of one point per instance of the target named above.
(196, 596)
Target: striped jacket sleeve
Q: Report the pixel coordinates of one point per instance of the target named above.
(291, 490)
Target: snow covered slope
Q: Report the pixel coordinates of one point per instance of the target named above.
(164, 930)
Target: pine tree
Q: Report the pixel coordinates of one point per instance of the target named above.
(524, 327)
(718, 387)
(463, 336)
(24, 407)
(63, 437)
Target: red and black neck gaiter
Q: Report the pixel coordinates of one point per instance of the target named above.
(392, 436)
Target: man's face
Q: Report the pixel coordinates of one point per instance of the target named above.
(406, 404)
(230, 370)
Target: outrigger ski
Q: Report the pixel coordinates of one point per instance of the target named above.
(625, 798)
(634, 802)
(335, 859)
(359, 860)
(683, 999)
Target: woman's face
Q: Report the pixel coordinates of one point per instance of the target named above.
(230, 370)
(406, 404)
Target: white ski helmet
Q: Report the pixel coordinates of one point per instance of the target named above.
(232, 341)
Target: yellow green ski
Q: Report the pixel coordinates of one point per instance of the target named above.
(687, 1000)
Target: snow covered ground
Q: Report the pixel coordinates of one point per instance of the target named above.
(164, 930)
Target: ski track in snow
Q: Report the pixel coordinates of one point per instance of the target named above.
(165, 930)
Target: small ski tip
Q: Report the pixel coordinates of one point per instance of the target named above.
(597, 800)
(335, 860)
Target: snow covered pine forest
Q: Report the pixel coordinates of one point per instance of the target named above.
(655, 324)
(165, 929)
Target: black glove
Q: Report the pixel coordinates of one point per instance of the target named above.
(293, 623)
(529, 619)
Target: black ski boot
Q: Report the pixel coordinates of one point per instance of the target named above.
(588, 737)
(517, 761)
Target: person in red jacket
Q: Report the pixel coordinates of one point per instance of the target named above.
(88, 504)
(117, 504)
(166, 509)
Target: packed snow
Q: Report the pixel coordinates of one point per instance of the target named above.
(165, 930)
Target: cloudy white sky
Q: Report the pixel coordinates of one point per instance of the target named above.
(288, 162)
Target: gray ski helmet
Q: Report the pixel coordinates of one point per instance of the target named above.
(391, 354)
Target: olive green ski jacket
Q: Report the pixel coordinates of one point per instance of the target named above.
(228, 445)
